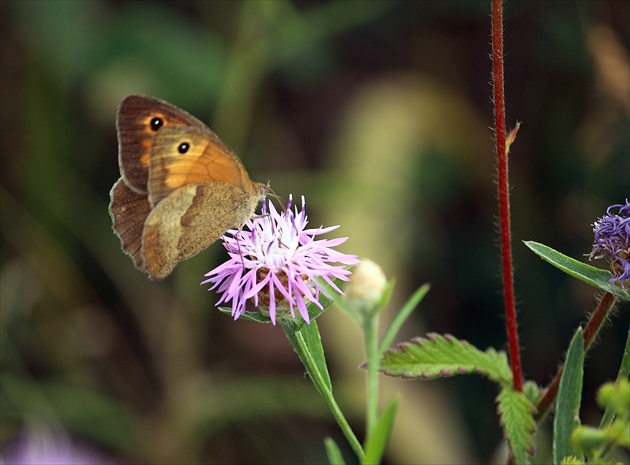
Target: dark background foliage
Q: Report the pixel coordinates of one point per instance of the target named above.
(377, 112)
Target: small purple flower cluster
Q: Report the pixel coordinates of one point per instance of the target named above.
(612, 241)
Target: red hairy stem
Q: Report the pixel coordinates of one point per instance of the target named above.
(504, 198)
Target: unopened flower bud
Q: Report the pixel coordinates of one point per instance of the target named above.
(366, 285)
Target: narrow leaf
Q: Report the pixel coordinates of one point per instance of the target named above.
(333, 452)
(377, 442)
(589, 274)
(517, 419)
(441, 356)
(307, 343)
(569, 399)
(402, 316)
(256, 317)
(308, 346)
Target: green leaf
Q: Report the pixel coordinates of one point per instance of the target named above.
(333, 452)
(569, 400)
(571, 460)
(85, 411)
(256, 317)
(307, 343)
(402, 316)
(532, 391)
(441, 356)
(589, 274)
(377, 442)
(517, 419)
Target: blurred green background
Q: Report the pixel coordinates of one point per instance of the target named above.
(377, 112)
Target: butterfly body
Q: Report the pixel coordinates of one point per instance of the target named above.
(180, 189)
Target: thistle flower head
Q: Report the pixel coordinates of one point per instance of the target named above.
(278, 264)
(612, 242)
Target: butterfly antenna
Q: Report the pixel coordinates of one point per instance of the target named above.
(271, 193)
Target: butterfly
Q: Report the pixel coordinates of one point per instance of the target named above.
(180, 186)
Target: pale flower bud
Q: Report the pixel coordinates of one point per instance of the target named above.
(366, 285)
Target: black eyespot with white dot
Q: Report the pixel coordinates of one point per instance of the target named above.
(156, 123)
(183, 147)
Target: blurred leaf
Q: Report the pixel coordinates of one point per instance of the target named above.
(589, 274)
(83, 411)
(402, 315)
(567, 416)
(175, 54)
(377, 442)
(441, 356)
(532, 391)
(571, 460)
(211, 405)
(333, 452)
(306, 31)
(518, 422)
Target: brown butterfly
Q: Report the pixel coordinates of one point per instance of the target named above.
(181, 187)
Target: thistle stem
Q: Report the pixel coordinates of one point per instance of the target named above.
(370, 328)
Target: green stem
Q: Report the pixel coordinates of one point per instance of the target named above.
(344, 425)
(370, 328)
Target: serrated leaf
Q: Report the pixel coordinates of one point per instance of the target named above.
(571, 460)
(441, 356)
(517, 419)
(377, 442)
(596, 277)
(532, 391)
(569, 399)
(333, 452)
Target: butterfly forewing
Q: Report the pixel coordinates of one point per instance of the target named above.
(184, 155)
(140, 119)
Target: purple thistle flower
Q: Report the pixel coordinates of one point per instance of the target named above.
(612, 241)
(276, 263)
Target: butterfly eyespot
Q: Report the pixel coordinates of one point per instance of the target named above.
(183, 147)
(156, 123)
